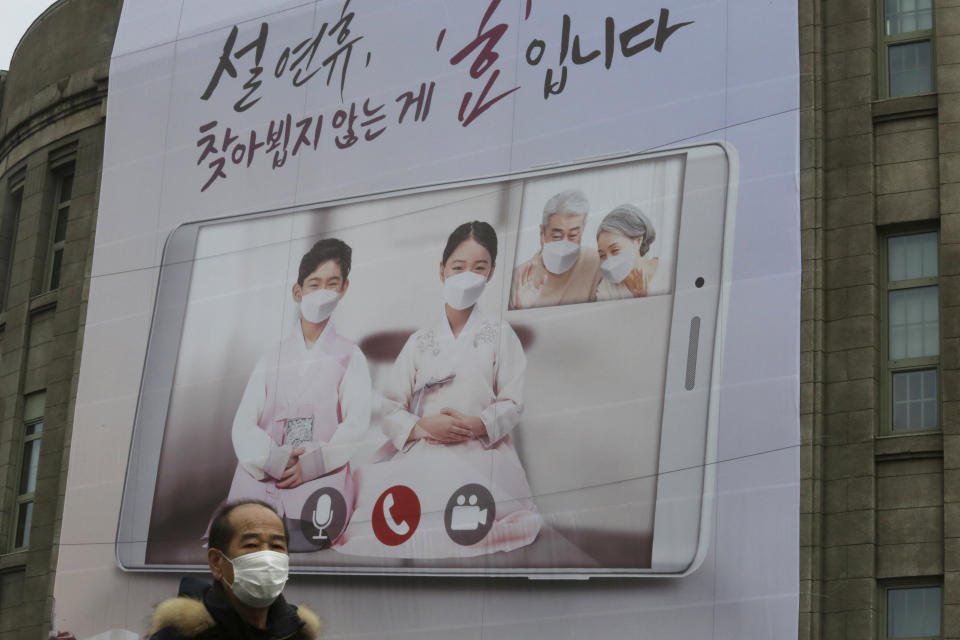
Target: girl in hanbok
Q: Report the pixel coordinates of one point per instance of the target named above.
(452, 398)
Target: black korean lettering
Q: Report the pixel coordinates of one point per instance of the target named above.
(535, 51)
(224, 64)
(422, 101)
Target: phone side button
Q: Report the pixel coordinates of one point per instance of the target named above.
(691, 378)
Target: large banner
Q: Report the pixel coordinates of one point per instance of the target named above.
(490, 289)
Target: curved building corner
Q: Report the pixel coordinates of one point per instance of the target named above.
(52, 119)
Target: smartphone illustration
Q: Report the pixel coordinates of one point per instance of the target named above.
(615, 425)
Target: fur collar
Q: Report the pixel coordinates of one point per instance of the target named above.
(312, 625)
(190, 618)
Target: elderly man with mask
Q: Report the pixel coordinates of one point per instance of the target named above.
(561, 272)
(248, 558)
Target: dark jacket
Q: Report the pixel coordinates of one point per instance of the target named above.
(203, 612)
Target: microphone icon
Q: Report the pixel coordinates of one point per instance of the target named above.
(322, 515)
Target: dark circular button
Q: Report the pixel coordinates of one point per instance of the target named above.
(469, 515)
(323, 517)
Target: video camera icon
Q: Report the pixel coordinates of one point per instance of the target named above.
(469, 514)
(467, 517)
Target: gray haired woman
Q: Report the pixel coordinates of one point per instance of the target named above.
(623, 241)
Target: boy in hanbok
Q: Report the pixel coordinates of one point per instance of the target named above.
(308, 399)
(452, 398)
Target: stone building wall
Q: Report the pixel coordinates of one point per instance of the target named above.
(51, 144)
(879, 507)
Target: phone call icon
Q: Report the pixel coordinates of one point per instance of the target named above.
(396, 515)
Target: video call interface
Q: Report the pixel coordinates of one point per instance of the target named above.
(450, 384)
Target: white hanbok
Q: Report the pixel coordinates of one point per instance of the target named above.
(478, 373)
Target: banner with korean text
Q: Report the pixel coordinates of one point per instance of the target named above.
(471, 292)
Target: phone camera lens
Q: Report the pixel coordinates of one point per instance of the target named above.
(699, 282)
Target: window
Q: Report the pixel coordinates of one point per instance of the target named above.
(912, 610)
(58, 226)
(33, 409)
(8, 230)
(906, 48)
(912, 353)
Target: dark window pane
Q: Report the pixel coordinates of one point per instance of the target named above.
(28, 467)
(55, 269)
(34, 428)
(913, 256)
(906, 16)
(910, 70)
(915, 400)
(8, 228)
(913, 612)
(66, 188)
(899, 416)
(24, 519)
(930, 414)
(60, 232)
(914, 317)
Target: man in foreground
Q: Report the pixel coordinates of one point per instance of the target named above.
(248, 559)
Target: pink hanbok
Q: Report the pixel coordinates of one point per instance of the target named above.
(317, 398)
(479, 373)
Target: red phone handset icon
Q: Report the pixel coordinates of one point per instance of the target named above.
(396, 515)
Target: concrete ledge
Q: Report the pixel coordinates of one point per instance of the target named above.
(15, 561)
(44, 301)
(904, 107)
(927, 444)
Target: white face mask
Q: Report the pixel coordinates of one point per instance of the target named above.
(617, 268)
(464, 289)
(258, 578)
(317, 306)
(559, 256)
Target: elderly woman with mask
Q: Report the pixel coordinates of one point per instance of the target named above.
(623, 241)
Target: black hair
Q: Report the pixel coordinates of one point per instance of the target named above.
(481, 232)
(326, 249)
(221, 531)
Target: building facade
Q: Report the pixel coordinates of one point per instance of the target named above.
(880, 335)
(51, 145)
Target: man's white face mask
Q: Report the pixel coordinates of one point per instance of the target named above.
(317, 306)
(259, 578)
(559, 256)
(617, 268)
(464, 289)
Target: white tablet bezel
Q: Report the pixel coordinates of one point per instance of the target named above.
(684, 491)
